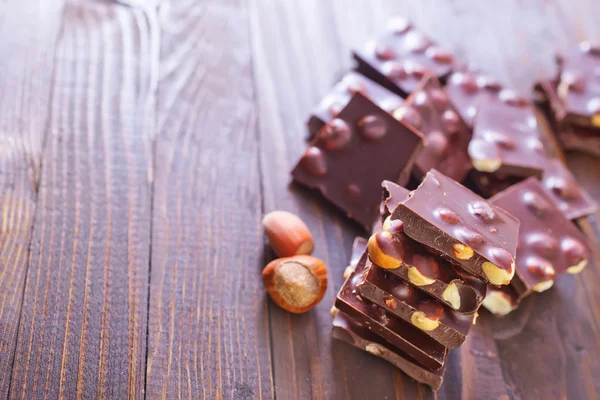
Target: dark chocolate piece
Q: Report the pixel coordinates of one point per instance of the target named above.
(507, 140)
(431, 274)
(579, 86)
(342, 92)
(425, 350)
(349, 331)
(468, 89)
(568, 195)
(401, 57)
(460, 225)
(402, 299)
(581, 139)
(354, 153)
(549, 244)
(487, 184)
(392, 195)
(447, 137)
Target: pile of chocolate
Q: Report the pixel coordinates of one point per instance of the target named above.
(413, 122)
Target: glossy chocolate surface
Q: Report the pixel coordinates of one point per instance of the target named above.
(425, 350)
(568, 195)
(579, 85)
(442, 213)
(339, 96)
(349, 331)
(401, 57)
(468, 89)
(403, 299)
(354, 153)
(446, 135)
(549, 244)
(392, 195)
(507, 136)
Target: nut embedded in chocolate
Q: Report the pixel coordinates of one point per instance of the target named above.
(382, 250)
(498, 303)
(452, 296)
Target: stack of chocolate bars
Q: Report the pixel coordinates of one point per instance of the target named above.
(410, 118)
(572, 99)
(421, 280)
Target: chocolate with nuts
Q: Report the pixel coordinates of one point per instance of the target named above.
(549, 244)
(428, 110)
(507, 140)
(411, 340)
(404, 300)
(429, 273)
(354, 153)
(360, 336)
(342, 92)
(461, 226)
(401, 57)
(392, 195)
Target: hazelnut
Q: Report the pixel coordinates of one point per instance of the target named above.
(490, 165)
(475, 316)
(418, 279)
(348, 271)
(381, 251)
(297, 283)
(287, 234)
(543, 286)
(374, 349)
(498, 302)
(577, 268)
(452, 296)
(421, 321)
(391, 303)
(497, 275)
(334, 311)
(462, 252)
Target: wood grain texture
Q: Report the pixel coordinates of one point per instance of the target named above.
(83, 324)
(29, 30)
(208, 323)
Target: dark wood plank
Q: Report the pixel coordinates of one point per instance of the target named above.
(83, 325)
(29, 30)
(297, 58)
(208, 323)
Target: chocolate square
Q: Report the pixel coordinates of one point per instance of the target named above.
(456, 223)
(401, 57)
(447, 137)
(352, 83)
(549, 244)
(354, 153)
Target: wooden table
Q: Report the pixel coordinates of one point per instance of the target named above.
(139, 148)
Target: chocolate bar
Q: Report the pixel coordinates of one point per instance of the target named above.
(506, 140)
(579, 86)
(447, 137)
(342, 92)
(414, 342)
(467, 89)
(571, 136)
(430, 274)
(392, 195)
(458, 224)
(549, 244)
(349, 331)
(402, 299)
(487, 184)
(354, 153)
(401, 57)
(568, 195)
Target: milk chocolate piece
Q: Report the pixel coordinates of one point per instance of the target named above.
(468, 89)
(402, 299)
(401, 57)
(354, 153)
(342, 92)
(349, 331)
(433, 274)
(392, 195)
(568, 195)
(579, 86)
(507, 140)
(425, 350)
(549, 244)
(461, 226)
(447, 137)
